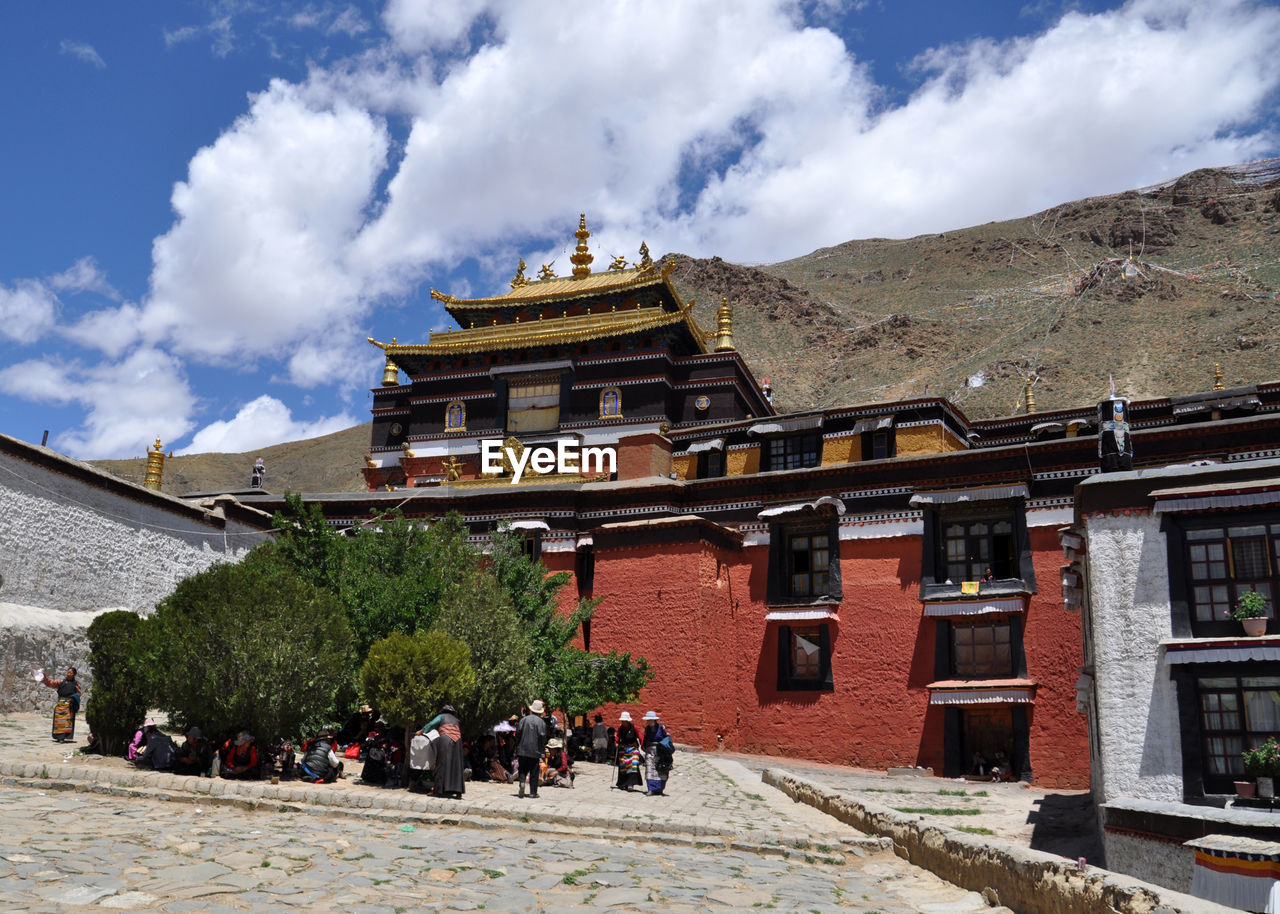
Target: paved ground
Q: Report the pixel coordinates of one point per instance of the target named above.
(721, 839)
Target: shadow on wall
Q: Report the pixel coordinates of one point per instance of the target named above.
(1066, 824)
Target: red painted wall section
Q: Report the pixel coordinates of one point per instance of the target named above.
(1052, 641)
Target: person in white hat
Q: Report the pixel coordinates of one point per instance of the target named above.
(629, 756)
(658, 750)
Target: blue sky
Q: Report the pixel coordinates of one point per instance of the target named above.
(208, 206)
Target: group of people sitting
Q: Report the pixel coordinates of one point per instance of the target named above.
(529, 749)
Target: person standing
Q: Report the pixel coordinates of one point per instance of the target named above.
(599, 740)
(629, 757)
(449, 780)
(658, 750)
(68, 703)
(531, 741)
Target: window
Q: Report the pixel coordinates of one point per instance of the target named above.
(981, 650)
(809, 558)
(1235, 712)
(804, 657)
(793, 452)
(533, 403)
(972, 547)
(1225, 561)
(711, 464)
(879, 445)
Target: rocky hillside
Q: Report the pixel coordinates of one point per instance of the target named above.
(1152, 287)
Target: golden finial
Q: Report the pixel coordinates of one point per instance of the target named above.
(519, 279)
(618, 263)
(580, 258)
(546, 272)
(391, 374)
(408, 451)
(1217, 376)
(370, 462)
(155, 468)
(1030, 396)
(724, 327)
(646, 262)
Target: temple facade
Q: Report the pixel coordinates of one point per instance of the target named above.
(879, 584)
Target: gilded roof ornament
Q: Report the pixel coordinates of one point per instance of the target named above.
(724, 327)
(581, 258)
(153, 479)
(618, 263)
(646, 262)
(546, 272)
(519, 279)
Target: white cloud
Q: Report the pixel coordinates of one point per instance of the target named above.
(27, 310)
(111, 331)
(129, 402)
(82, 51)
(416, 26)
(259, 423)
(84, 276)
(256, 259)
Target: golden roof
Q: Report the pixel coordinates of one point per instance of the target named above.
(576, 328)
(564, 288)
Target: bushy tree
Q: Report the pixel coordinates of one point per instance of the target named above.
(119, 698)
(480, 615)
(581, 681)
(250, 645)
(410, 676)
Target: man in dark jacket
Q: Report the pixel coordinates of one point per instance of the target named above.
(195, 756)
(320, 763)
(531, 741)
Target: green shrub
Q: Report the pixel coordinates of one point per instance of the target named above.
(250, 646)
(408, 677)
(118, 700)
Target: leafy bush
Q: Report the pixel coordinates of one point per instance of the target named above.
(250, 646)
(119, 698)
(408, 677)
(1263, 760)
(1250, 605)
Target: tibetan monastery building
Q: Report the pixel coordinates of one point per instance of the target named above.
(874, 584)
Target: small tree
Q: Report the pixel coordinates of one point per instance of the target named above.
(581, 681)
(408, 677)
(118, 700)
(479, 614)
(250, 645)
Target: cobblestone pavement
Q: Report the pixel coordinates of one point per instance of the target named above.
(66, 850)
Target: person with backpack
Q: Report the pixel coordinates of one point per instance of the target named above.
(658, 751)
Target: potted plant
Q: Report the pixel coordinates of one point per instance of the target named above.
(1251, 612)
(1263, 762)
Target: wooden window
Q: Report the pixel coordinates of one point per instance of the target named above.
(1225, 561)
(1235, 712)
(981, 650)
(711, 464)
(970, 547)
(804, 658)
(794, 452)
(809, 558)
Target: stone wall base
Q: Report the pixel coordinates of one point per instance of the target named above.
(40, 638)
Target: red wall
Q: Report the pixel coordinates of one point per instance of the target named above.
(697, 614)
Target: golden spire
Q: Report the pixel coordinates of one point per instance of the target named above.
(724, 327)
(1030, 397)
(580, 258)
(519, 279)
(155, 468)
(391, 374)
(1217, 376)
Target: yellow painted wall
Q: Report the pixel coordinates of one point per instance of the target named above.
(919, 439)
(685, 467)
(842, 450)
(742, 462)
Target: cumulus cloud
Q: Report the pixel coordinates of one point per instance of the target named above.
(111, 330)
(259, 423)
(27, 310)
(129, 402)
(82, 51)
(84, 276)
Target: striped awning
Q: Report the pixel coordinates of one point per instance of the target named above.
(781, 426)
(960, 496)
(1007, 695)
(801, 614)
(697, 447)
(1226, 495)
(973, 607)
(873, 425)
(798, 507)
(528, 525)
(1227, 651)
(1203, 406)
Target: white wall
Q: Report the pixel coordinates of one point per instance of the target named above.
(1137, 707)
(75, 542)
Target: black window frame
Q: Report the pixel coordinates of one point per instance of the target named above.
(782, 535)
(788, 678)
(934, 574)
(1200, 583)
(1199, 781)
(711, 464)
(793, 452)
